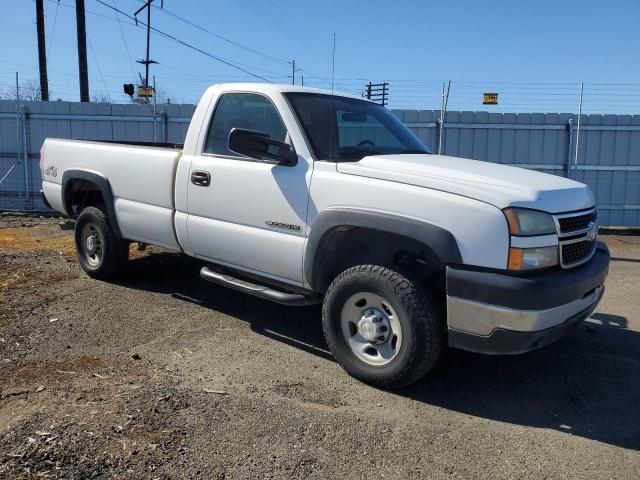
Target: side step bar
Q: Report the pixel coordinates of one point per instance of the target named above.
(262, 291)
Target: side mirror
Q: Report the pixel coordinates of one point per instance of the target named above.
(259, 145)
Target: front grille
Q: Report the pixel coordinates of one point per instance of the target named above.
(577, 223)
(576, 252)
(577, 233)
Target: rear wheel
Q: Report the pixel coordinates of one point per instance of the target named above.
(381, 327)
(101, 254)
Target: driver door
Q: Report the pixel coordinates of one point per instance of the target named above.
(248, 213)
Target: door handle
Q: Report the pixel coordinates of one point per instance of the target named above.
(200, 178)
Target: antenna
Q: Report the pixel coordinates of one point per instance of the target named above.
(333, 74)
(333, 62)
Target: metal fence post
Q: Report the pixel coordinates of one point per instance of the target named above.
(25, 152)
(578, 129)
(570, 146)
(164, 125)
(18, 127)
(443, 113)
(155, 111)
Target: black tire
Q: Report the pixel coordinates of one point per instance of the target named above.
(422, 329)
(113, 251)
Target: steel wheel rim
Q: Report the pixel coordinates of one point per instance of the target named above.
(362, 312)
(91, 244)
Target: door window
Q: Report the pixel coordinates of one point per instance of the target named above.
(242, 110)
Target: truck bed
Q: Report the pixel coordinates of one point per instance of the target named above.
(141, 177)
(146, 144)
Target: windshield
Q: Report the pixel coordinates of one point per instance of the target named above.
(344, 129)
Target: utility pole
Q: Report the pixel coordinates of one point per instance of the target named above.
(293, 72)
(146, 62)
(378, 92)
(82, 51)
(42, 51)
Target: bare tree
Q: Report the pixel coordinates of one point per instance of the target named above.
(161, 96)
(101, 97)
(28, 90)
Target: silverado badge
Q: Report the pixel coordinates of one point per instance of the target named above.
(287, 226)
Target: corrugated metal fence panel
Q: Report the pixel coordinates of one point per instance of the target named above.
(12, 173)
(509, 145)
(611, 155)
(608, 157)
(81, 121)
(177, 126)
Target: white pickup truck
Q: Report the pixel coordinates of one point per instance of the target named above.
(299, 196)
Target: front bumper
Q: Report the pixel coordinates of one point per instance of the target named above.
(499, 313)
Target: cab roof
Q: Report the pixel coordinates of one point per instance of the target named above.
(279, 88)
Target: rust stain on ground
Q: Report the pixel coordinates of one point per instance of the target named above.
(49, 238)
(46, 238)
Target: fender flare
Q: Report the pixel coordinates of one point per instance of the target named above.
(439, 240)
(103, 186)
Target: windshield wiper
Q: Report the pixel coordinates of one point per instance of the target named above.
(358, 152)
(409, 152)
(405, 152)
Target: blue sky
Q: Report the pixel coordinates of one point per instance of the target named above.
(533, 53)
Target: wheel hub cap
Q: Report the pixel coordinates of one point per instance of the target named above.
(91, 243)
(374, 326)
(371, 328)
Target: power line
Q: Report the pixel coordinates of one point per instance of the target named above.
(124, 40)
(72, 7)
(53, 30)
(171, 37)
(228, 40)
(253, 67)
(181, 42)
(95, 59)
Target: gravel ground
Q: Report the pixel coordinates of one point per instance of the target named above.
(162, 375)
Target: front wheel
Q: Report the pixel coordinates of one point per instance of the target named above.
(101, 254)
(381, 327)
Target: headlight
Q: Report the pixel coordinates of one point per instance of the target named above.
(525, 222)
(531, 258)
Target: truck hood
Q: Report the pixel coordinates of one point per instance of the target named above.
(500, 185)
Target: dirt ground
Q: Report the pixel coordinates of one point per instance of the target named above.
(162, 375)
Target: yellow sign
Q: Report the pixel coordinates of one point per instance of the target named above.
(145, 92)
(490, 99)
